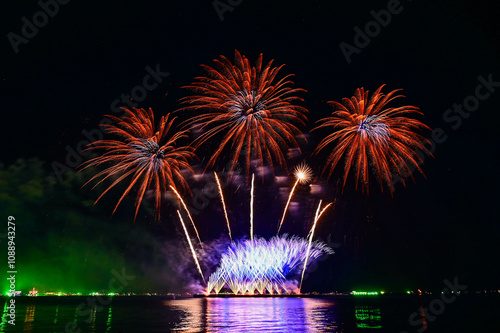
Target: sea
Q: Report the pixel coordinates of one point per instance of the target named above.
(383, 313)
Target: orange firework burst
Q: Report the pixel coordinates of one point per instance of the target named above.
(150, 156)
(253, 112)
(367, 133)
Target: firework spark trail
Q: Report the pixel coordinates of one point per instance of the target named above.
(191, 247)
(311, 235)
(189, 214)
(287, 204)
(223, 205)
(303, 173)
(251, 207)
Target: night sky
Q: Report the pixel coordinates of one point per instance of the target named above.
(60, 81)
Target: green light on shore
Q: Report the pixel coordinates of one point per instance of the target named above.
(364, 293)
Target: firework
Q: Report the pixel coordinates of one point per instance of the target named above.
(311, 236)
(258, 265)
(151, 156)
(254, 114)
(193, 252)
(188, 213)
(303, 174)
(251, 206)
(367, 132)
(223, 205)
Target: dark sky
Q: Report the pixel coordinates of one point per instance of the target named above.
(66, 75)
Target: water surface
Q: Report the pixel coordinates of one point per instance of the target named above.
(157, 314)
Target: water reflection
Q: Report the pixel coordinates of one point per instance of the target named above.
(93, 315)
(3, 325)
(57, 313)
(368, 316)
(259, 315)
(192, 310)
(29, 317)
(232, 314)
(110, 317)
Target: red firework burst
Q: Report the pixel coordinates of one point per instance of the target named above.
(252, 111)
(368, 133)
(151, 157)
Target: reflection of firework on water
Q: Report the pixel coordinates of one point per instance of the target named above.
(151, 156)
(366, 133)
(261, 265)
(254, 111)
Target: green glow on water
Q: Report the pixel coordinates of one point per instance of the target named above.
(57, 313)
(110, 317)
(368, 316)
